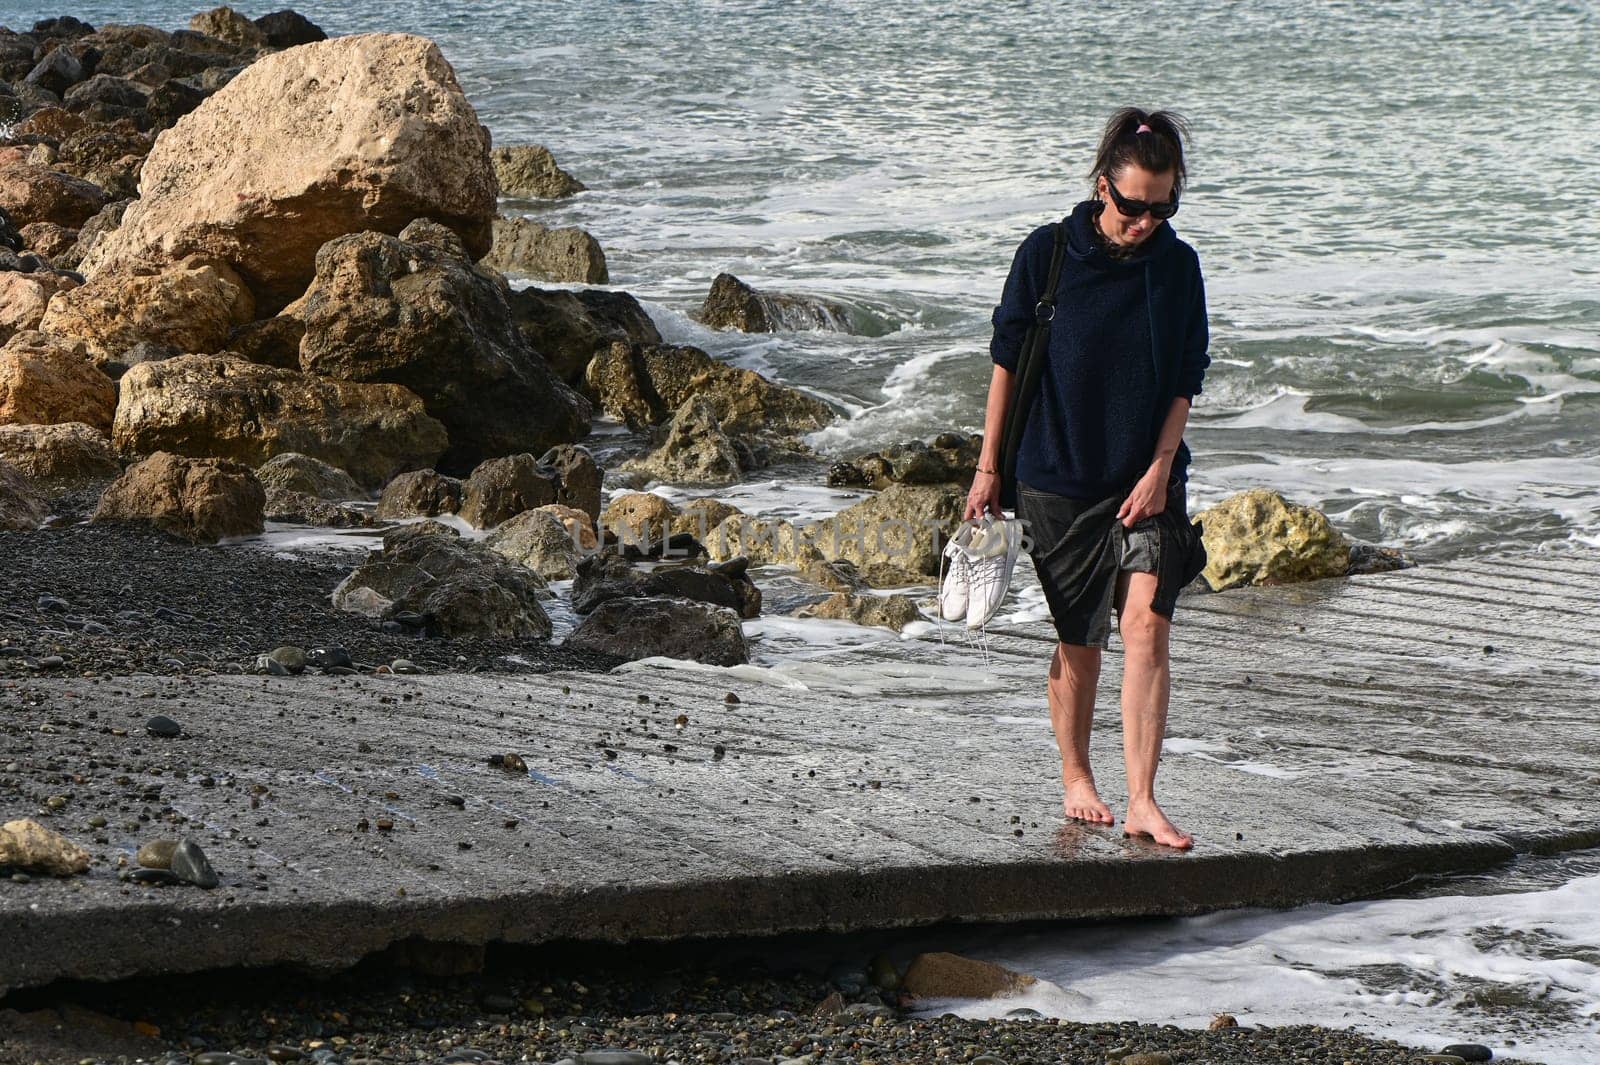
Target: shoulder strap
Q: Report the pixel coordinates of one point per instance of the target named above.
(1045, 309)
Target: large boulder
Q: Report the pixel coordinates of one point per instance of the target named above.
(502, 488)
(25, 297)
(48, 239)
(419, 494)
(662, 625)
(457, 587)
(294, 472)
(220, 405)
(303, 508)
(1258, 537)
(698, 517)
(639, 518)
(530, 170)
(200, 500)
(732, 304)
(190, 306)
(414, 311)
(285, 29)
(525, 247)
(695, 451)
(365, 132)
(59, 456)
(45, 380)
(944, 975)
(763, 541)
(22, 505)
(645, 384)
(32, 193)
(570, 328)
(606, 575)
(895, 536)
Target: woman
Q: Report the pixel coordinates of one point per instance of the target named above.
(1102, 466)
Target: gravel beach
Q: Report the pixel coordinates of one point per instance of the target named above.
(684, 1003)
(113, 600)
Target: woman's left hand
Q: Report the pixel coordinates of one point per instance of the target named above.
(1148, 498)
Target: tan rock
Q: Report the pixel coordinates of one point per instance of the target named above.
(765, 542)
(31, 193)
(294, 472)
(223, 406)
(698, 517)
(303, 508)
(201, 500)
(419, 494)
(529, 249)
(190, 306)
(30, 847)
(56, 123)
(365, 132)
(530, 170)
(226, 24)
(24, 298)
(732, 304)
(945, 975)
(639, 518)
(696, 450)
(47, 238)
(644, 384)
(45, 380)
(885, 611)
(22, 505)
(58, 456)
(539, 540)
(579, 523)
(895, 535)
(1258, 537)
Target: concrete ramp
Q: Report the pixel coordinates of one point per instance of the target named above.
(1327, 741)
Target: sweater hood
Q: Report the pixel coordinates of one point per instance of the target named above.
(1082, 245)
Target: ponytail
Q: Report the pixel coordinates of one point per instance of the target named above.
(1150, 140)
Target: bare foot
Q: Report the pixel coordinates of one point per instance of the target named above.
(1146, 819)
(1082, 803)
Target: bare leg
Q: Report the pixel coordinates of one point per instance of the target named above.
(1146, 688)
(1074, 675)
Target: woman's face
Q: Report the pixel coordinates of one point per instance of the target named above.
(1134, 183)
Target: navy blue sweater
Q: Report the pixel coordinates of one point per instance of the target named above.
(1129, 336)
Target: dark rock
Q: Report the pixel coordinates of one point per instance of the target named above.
(676, 628)
(328, 657)
(453, 586)
(607, 575)
(733, 304)
(570, 328)
(155, 877)
(104, 221)
(1371, 558)
(952, 458)
(578, 477)
(171, 100)
(285, 29)
(502, 488)
(415, 311)
(1469, 1051)
(105, 89)
(189, 863)
(270, 342)
(56, 72)
(419, 494)
(163, 726)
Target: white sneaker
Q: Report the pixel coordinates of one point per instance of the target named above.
(991, 556)
(956, 589)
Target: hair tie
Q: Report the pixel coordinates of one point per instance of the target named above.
(1143, 128)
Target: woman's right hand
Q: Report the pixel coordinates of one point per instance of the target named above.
(983, 497)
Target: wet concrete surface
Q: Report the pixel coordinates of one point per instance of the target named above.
(1326, 741)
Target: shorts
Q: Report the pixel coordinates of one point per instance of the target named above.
(1079, 547)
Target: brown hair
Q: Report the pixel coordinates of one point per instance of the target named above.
(1158, 149)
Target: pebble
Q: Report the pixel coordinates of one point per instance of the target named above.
(329, 657)
(404, 665)
(157, 854)
(1469, 1051)
(51, 605)
(189, 863)
(1157, 1058)
(271, 666)
(279, 1052)
(163, 726)
(613, 1057)
(163, 877)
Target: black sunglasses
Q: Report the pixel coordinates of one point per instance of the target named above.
(1135, 208)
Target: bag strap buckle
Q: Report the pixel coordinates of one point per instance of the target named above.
(1044, 311)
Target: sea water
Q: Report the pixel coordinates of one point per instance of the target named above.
(1393, 204)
